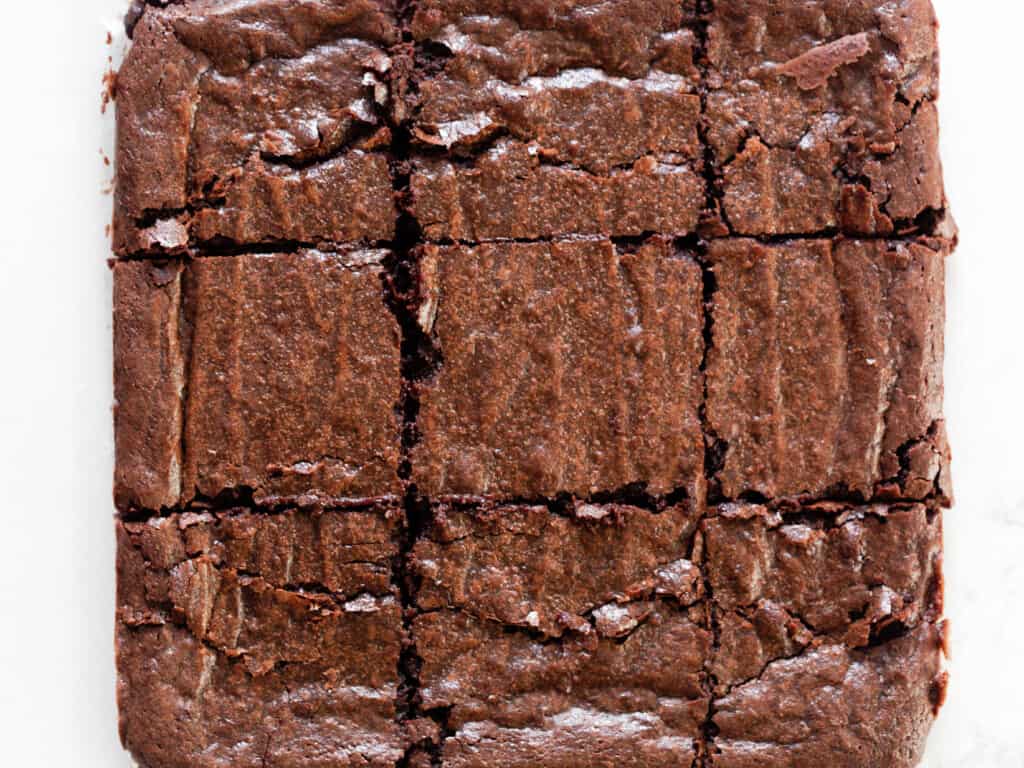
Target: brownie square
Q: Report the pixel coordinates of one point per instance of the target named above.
(528, 567)
(275, 374)
(252, 639)
(537, 657)
(567, 367)
(821, 116)
(516, 701)
(539, 120)
(835, 706)
(254, 123)
(826, 574)
(825, 368)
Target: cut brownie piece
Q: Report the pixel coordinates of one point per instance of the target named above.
(823, 574)
(822, 115)
(519, 702)
(594, 108)
(567, 368)
(250, 123)
(292, 377)
(247, 640)
(549, 636)
(825, 369)
(526, 566)
(837, 707)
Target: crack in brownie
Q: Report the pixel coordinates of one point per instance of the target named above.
(529, 384)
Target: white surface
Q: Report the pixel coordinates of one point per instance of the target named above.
(56, 560)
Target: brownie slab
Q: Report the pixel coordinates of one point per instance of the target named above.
(247, 123)
(822, 116)
(275, 373)
(251, 640)
(567, 368)
(825, 367)
(528, 567)
(579, 118)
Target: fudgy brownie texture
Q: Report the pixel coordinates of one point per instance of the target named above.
(785, 581)
(273, 373)
(251, 640)
(514, 700)
(254, 122)
(567, 367)
(821, 116)
(836, 706)
(720, 620)
(571, 118)
(524, 566)
(824, 370)
(529, 384)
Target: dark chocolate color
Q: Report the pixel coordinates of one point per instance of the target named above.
(275, 373)
(567, 367)
(625, 448)
(254, 640)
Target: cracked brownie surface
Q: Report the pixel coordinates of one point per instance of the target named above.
(518, 383)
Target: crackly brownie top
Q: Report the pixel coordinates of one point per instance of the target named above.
(567, 367)
(281, 373)
(526, 566)
(825, 367)
(254, 122)
(251, 639)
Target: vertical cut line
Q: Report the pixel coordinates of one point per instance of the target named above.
(419, 360)
(713, 222)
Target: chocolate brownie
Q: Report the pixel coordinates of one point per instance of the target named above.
(824, 370)
(836, 706)
(526, 567)
(529, 384)
(517, 701)
(567, 367)
(251, 639)
(822, 116)
(569, 118)
(274, 373)
(788, 581)
(253, 123)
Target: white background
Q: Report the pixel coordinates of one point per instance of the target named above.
(56, 538)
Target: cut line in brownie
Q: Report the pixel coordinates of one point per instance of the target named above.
(822, 116)
(824, 370)
(254, 122)
(251, 639)
(278, 374)
(566, 367)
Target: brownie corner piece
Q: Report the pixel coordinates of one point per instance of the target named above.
(250, 639)
(825, 367)
(823, 117)
(297, 348)
(829, 638)
(254, 124)
(567, 367)
(836, 706)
